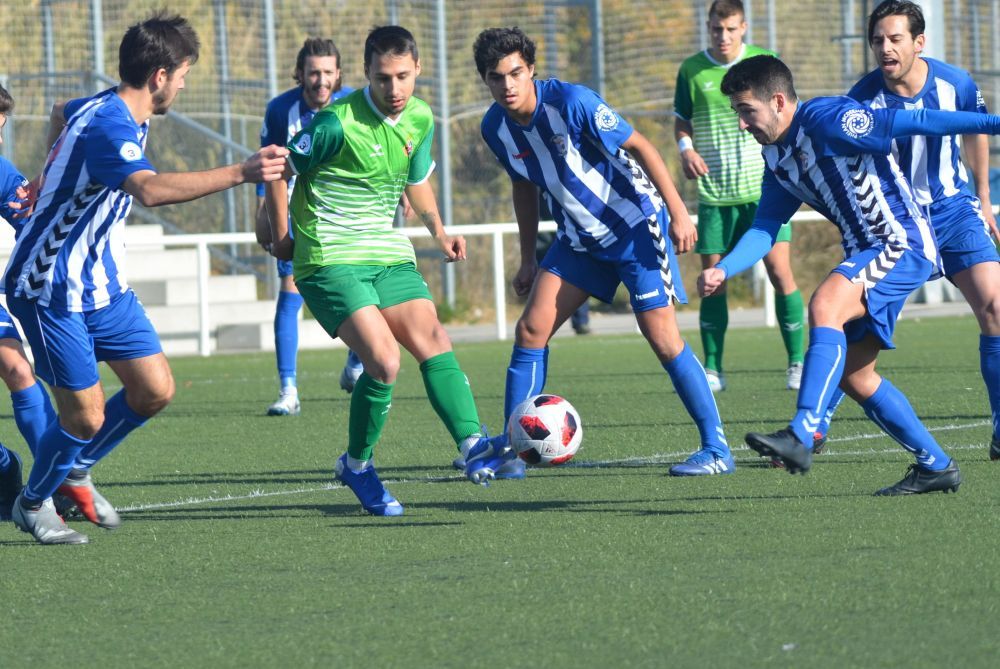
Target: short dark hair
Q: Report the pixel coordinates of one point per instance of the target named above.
(723, 9)
(162, 40)
(494, 44)
(392, 40)
(314, 46)
(763, 76)
(910, 10)
(6, 101)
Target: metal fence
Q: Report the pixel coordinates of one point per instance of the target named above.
(629, 50)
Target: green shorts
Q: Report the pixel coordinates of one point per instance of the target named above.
(335, 292)
(720, 227)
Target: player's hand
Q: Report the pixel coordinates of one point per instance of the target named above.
(26, 198)
(453, 247)
(991, 221)
(525, 278)
(682, 232)
(282, 250)
(268, 164)
(710, 281)
(693, 164)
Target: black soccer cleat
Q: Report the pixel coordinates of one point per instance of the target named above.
(995, 448)
(782, 446)
(919, 480)
(10, 486)
(819, 443)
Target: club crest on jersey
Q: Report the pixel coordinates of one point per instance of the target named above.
(605, 118)
(130, 151)
(857, 122)
(559, 144)
(304, 145)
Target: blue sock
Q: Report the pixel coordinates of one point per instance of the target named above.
(286, 335)
(119, 421)
(353, 361)
(831, 409)
(688, 377)
(525, 376)
(5, 458)
(989, 363)
(892, 412)
(821, 372)
(33, 413)
(56, 453)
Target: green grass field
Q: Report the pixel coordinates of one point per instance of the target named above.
(238, 549)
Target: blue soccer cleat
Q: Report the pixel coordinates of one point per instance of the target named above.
(704, 463)
(369, 490)
(510, 470)
(488, 456)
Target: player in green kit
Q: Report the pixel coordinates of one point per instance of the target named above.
(728, 166)
(355, 271)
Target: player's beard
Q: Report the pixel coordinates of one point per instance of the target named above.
(160, 103)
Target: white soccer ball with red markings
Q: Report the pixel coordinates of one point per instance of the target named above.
(545, 430)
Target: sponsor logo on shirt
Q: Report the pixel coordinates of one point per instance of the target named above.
(559, 143)
(304, 145)
(376, 151)
(857, 122)
(708, 86)
(130, 151)
(605, 118)
(520, 156)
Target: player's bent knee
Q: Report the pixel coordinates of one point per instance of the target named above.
(529, 334)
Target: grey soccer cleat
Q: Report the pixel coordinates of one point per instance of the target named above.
(44, 524)
(919, 480)
(91, 503)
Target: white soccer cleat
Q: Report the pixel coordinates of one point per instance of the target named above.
(716, 381)
(287, 404)
(794, 376)
(44, 524)
(349, 377)
(91, 503)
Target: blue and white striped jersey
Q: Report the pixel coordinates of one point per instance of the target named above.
(572, 151)
(10, 180)
(285, 116)
(932, 164)
(69, 254)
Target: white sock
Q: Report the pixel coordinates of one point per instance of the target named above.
(355, 465)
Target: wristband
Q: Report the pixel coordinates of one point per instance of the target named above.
(685, 143)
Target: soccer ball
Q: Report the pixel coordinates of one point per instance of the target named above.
(545, 430)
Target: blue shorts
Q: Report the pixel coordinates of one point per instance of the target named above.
(644, 261)
(284, 268)
(67, 345)
(889, 275)
(962, 234)
(7, 328)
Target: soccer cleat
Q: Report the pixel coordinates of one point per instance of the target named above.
(287, 404)
(10, 485)
(349, 377)
(704, 463)
(919, 480)
(91, 503)
(793, 377)
(716, 381)
(487, 457)
(995, 448)
(511, 470)
(782, 445)
(819, 443)
(374, 498)
(65, 507)
(45, 524)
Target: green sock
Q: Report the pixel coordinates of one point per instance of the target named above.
(450, 395)
(789, 309)
(714, 320)
(370, 404)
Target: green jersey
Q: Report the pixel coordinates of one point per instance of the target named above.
(735, 164)
(352, 164)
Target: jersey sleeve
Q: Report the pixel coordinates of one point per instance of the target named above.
(683, 104)
(113, 152)
(422, 162)
(848, 130)
(274, 130)
(594, 117)
(970, 97)
(10, 181)
(316, 144)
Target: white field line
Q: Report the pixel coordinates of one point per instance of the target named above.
(659, 458)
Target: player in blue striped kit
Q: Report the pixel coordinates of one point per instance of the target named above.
(64, 283)
(962, 225)
(619, 218)
(317, 72)
(833, 154)
(32, 408)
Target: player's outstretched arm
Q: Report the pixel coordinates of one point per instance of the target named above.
(940, 123)
(692, 163)
(424, 204)
(682, 230)
(525, 198)
(154, 190)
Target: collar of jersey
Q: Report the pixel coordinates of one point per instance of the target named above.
(378, 112)
(928, 84)
(743, 52)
